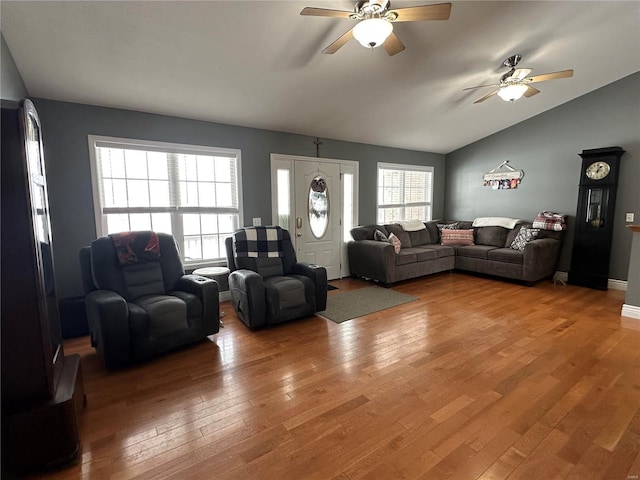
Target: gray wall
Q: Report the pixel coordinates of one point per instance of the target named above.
(65, 127)
(633, 288)
(546, 147)
(11, 83)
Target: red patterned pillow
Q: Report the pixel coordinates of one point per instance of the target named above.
(457, 237)
(395, 241)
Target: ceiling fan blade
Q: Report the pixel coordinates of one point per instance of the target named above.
(531, 91)
(325, 12)
(487, 96)
(440, 11)
(550, 76)
(520, 73)
(335, 46)
(393, 45)
(480, 86)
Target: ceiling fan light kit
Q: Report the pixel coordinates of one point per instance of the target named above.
(513, 92)
(515, 84)
(374, 27)
(372, 32)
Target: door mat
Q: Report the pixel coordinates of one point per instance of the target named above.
(345, 306)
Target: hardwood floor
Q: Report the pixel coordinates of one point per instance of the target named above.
(477, 379)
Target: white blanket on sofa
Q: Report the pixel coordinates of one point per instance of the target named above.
(505, 222)
(412, 225)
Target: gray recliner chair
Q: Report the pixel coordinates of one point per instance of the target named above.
(139, 301)
(269, 290)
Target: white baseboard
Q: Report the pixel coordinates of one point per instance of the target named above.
(630, 311)
(225, 296)
(613, 283)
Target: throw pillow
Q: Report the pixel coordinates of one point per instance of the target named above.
(446, 226)
(379, 236)
(457, 237)
(395, 241)
(524, 236)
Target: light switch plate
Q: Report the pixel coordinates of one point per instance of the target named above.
(629, 217)
(257, 221)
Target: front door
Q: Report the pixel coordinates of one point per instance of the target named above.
(318, 212)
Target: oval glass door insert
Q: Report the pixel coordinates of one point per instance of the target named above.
(318, 206)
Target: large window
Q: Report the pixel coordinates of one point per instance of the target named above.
(404, 192)
(189, 191)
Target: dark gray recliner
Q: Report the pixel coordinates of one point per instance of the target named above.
(142, 309)
(266, 291)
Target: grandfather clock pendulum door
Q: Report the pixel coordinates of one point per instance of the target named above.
(594, 217)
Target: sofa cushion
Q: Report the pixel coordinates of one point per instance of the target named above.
(507, 255)
(443, 250)
(474, 251)
(366, 232)
(399, 232)
(512, 233)
(406, 256)
(496, 236)
(420, 237)
(423, 254)
(434, 233)
(457, 237)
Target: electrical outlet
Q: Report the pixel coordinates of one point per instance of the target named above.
(257, 221)
(629, 217)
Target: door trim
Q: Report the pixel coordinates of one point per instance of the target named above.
(283, 161)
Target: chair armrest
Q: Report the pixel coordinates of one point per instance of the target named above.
(372, 259)
(248, 297)
(540, 258)
(318, 276)
(207, 291)
(108, 318)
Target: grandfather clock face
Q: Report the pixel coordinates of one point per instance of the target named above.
(594, 217)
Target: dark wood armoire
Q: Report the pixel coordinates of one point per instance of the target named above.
(42, 389)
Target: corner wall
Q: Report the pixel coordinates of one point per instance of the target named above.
(13, 88)
(65, 127)
(547, 148)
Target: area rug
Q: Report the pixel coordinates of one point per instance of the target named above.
(345, 306)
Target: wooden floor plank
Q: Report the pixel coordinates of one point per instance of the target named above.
(478, 378)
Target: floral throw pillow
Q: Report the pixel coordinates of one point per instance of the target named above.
(456, 237)
(524, 236)
(395, 241)
(379, 236)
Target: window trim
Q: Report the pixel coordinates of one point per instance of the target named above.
(94, 141)
(410, 168)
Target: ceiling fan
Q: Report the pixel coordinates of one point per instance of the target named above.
(375, 22)
(515, 83)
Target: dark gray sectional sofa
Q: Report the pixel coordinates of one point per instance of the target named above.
(421, 253)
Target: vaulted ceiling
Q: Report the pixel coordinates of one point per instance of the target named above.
(259, 63)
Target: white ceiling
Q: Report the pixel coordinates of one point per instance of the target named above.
(258, 63)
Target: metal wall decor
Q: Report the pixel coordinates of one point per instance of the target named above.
(503, 177)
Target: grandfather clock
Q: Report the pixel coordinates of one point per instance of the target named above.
(594, 217)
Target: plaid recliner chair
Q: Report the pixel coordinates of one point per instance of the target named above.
(267, 283)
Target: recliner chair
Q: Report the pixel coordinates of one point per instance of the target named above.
(273, 289)
(139, 301)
